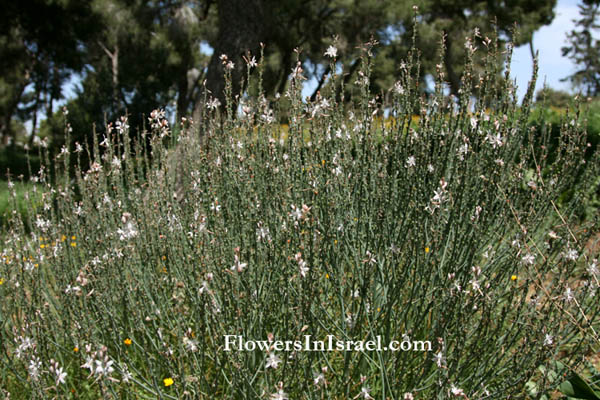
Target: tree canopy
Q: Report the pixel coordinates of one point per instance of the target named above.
(584, 49)
(137, 55)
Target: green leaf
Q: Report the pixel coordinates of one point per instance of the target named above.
(578, 388)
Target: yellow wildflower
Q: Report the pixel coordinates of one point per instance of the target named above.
(168, 382)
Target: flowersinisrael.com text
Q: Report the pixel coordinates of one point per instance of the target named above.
(330, 343)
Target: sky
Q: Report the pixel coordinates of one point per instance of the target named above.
(548, 40)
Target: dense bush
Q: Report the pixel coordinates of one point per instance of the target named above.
(446, 229)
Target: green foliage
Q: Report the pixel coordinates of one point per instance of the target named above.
(549, 97)
(23, 203)
(572, 384)
(138, 55)
(584, 49)
(547, 118)
(445, 228)
(38, 52)
(576, 387)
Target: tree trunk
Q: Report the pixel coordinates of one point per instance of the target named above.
(35, 116)
(6, 131)
(114, 63)
(242, 27)
(449, 63)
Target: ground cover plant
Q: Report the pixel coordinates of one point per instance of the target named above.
(450, 233)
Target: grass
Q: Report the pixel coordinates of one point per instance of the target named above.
(18, 203)
(444, 233)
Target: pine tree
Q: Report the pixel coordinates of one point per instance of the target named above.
(584, 49)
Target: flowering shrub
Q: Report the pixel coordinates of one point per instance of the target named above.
(442, 230)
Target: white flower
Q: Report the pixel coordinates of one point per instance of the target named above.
(116, 162)
(331, 52)
(280, 395)
(457, 391)
(127, 232)
(548, 340)
(104, 366)
(252, 62)
(571, 254)
(319, 379)
(473, 122)
(364, 393)
(60, 376)
(29, 266)
(296, 212)
(122, 125)
(495, 140)
(532, 185)
(190, 344)
(42, 224)
(262, 233)
(34, 368)
(462, 150)
(59, 372)
(438, 197)
(528, 259)
(203, 288)
(370, 258)
(409, 396)
(410, 162)
(273, 361)
(439, 359)
(89, 364)
(398, 88)
(238, 266)
(73, 289)
(126, 375)
(593, 268)
(213, 104)
(301, 264)
(26, 344)
(350, 321)
(568, 295)
(475, 216)
(303, 268)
